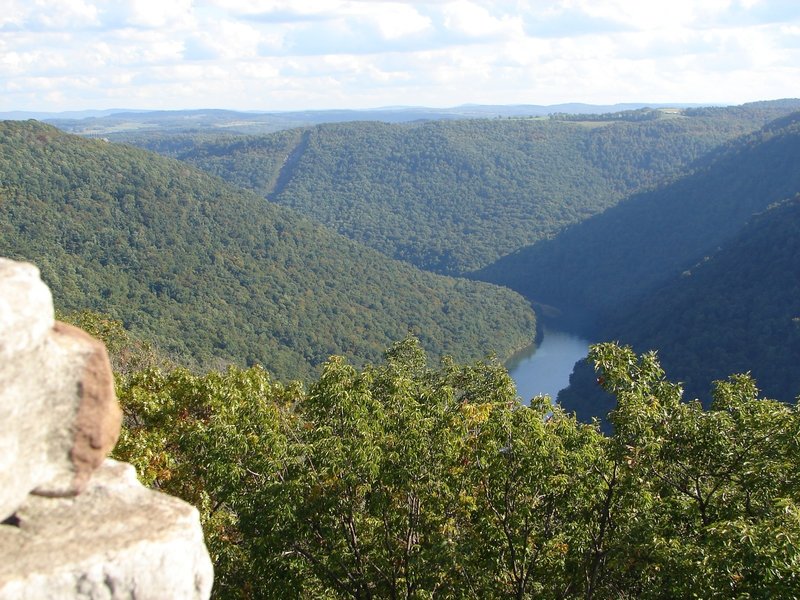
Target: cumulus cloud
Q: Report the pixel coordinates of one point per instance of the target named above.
(395, 20)
(146, 13)
(38, 15)
(473, 20)
(283, 54)
(570, 23)
(225, 40)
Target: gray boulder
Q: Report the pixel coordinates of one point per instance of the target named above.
(115, 540)
(57, 405)
(75, 524)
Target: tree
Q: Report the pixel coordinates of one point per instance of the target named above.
(714, 482)
(400, 480)
(219, 441)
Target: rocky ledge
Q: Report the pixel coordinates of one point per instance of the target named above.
(76, 524)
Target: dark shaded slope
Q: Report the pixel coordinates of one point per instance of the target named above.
(736, 312)
(454, 196)
(214, 274)
(608, 262)
(285, 173)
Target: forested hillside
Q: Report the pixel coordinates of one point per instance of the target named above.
(382, 475)
(213, 274)
(454, 196)
(704, 270)
(736, 311)
(611, 260)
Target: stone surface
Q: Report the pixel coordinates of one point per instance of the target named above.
(59, 414)
(26, 321)
(85, 415)
(115, 540)
(26, 309)
(75, 524)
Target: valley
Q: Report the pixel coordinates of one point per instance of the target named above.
(323, 335)
(213, 275)
(586, 219)
(400, 300)
(454, 196)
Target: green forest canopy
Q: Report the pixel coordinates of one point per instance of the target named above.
(454, 196)
(403, 481)
(213, 274)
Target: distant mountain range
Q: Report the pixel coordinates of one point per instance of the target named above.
(452, 196)
(116, 121)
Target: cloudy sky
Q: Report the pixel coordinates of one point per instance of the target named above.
(267, 55)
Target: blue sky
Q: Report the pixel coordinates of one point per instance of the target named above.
(320, 54)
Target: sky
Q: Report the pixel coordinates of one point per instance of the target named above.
(275, 55)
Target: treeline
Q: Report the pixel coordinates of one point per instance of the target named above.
(640, 114)
(215, 275)
(404, 481)
(454, 196)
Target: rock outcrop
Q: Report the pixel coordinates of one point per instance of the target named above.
(74, 523)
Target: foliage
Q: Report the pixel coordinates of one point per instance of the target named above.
(610, 261)
(734, 311)
(720, 486)
(454, 196)
(211, 440)
(402, 481)
(126, 352)
(213, 275)
(640, 114)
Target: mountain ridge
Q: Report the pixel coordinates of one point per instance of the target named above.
(216, 275)
(454, 196)
(658, 233)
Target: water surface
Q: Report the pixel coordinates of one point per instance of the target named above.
(545, 369)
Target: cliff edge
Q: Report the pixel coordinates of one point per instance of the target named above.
(76, 524)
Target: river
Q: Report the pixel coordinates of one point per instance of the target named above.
(545, 369)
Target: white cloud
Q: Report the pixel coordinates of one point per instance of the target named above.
(147, 13)
(12, 63)
(395, 20)
(67, 13)
(641, 14)
(473, 20)
(139, 48)
(48, 14)
(225, 40)
(12, 13)
(287, 54)
(282, 10)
